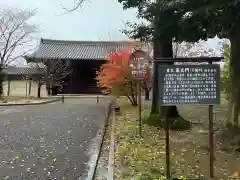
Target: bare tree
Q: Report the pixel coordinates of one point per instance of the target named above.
(182, 49)
(16, 36)
(146, 85)
(58, 71)
(196, 49)
(39, 77)
(53, 74)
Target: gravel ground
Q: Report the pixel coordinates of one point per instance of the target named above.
(51, 141)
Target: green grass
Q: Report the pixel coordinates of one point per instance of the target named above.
(144, 157)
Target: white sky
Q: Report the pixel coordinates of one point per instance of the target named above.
(96, 20)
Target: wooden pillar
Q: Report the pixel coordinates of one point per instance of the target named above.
(48, 85)
(9, 85)
(30, 87)
(71, 77)
(26, 86)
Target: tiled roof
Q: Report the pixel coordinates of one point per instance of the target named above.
(14, 70)
(84, 50)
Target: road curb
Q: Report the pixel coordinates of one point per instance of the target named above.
(111, 158)
(36, 103)
(73, 96)
(103, 132)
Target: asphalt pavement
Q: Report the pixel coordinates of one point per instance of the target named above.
(51, 141)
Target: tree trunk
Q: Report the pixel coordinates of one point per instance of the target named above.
(132, 96)
(26, 87)
(164, 50)
(147, 94)
(134, 101)
(9, 86)
(234, 80)
(155, 106)
(30, 88)
(1, 81)
(39, 90)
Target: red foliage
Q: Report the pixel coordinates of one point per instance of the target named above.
(116, 76)
(114, 70)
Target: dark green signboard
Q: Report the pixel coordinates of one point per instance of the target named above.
(189, 84)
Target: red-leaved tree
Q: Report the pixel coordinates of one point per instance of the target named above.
(116, 76)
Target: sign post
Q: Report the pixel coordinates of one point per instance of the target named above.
(167, 146)
(189, 84)
(211, 143)
(139, 75)
(139, 71)
(139, 108)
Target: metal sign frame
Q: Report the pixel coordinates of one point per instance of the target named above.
(209, 60)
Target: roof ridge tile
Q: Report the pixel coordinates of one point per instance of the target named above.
(84, 50)
(54, 41)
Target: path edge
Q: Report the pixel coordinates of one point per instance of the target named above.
(103, 132)
(36, 103)
(111, 157)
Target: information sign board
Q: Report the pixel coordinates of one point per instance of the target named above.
(139, 63)
(189, 84)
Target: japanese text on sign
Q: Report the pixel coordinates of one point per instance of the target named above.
(189, 84)
(139, 65)
(142, 72)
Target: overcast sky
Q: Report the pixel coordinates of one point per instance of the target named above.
(96, 20)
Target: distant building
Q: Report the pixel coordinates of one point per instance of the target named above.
(18, 73)
(85, 58)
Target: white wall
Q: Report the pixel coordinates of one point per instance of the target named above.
(18, 88)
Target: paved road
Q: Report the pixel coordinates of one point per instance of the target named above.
(52, 141)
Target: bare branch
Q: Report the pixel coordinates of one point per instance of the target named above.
(39, 75)
(55, 74)
(13, 59)
(15, 33)
(76, 5)
(58, 71)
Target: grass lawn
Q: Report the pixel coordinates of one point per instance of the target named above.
(142, 158)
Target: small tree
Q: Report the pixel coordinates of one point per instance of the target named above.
(53, 73)
(116, 75)
(57, 72)
(146, 84)
(16, 34)
(39, 77)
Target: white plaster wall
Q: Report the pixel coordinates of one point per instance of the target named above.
(18, 88)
